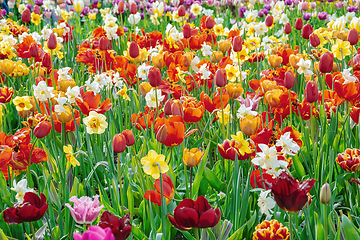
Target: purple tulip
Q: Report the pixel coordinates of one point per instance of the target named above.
(95, 233)
(39, 2)
(29, 6)
(339, 5)
(85, 11)
(3, 12)
(85, 210)
(288, 2)
(166, 8)
(306, 16)
(322, 16)
(242, 10)
(267, 7)
(125, 29)
(142, 15)
(352, 8)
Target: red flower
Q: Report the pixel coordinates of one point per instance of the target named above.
(144, 119)
(90, 102)
(120, 227)
(32, 209)
(256, 176)
(168, 190)
(69, 126)
(290, 194)
(215, 103)
(349, 160)
(193, 110)
(194, 214)
(230, 148)
(6, 94)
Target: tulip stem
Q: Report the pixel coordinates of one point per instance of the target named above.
(196, 232)
(30, 182)
(325, 223)
(291, 227)
(32, 230)
(120, 184)
(191, 173)
(222, 112)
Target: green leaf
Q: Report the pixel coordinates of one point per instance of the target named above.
(238, 234)
(213, 180)
(130, 200)
(348, 228)
(298, 167)
(199, 174)
(187, 235)
(138, 234)
(211, 234)
(2, 235)
(319, 228)
(74, 188)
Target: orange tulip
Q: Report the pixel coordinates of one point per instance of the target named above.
(193, 157)
(250, 124)
(224, 46)
(215, 103)
(90, 102)
(234, 89)
(168, 190)
(273, 97)
(193, 110)
(6, 94)
(275, 61)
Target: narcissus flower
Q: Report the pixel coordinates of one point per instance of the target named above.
(349, 160)
(168, 190)
(271, 230)
(120, 227)
(69, 154)
(341, 49)
(22, 103)
(151, 164)
(95, 123)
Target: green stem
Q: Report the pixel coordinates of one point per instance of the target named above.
(196, 232)
(191, 173)
(291, 227)
(120, 184)
(222, 113)
(32, 230)
(325, 223)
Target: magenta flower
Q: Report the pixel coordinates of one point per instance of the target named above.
(85, 210)
(95, 233)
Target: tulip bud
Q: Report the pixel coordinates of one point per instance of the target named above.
(177, 109)
(51, 42)
(221, 77)
(216, 56)
(33, 50)
(187, 31)
(209, 23)
(158, 61)
(26, 15)
(289, 81)
(64, 117)
(119, 143)
(121, 7)
(129, 137)
(275, 61)
(46, 60)
(314, 40)
(306, 31)
(234, 90)
(325, 194)
(181, 11)
(154, 77)
(269, 20)
(326, 62)
(134, 50)
(42, 129)
(237, 44)
(287, 28)
(299, 24)
(37, 10)
(353, 36)
(104, 43)
(167, 107)
(133, 8)
(311, 92)
(161, 134)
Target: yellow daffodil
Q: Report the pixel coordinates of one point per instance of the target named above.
(123, 93)
(151, 164)
(219, 29)
(341, 49)
(92, 16)
(19, 70)
(22, 103)
(66, 15)
(232, 72)
(243, 143)
(35, 18)
(95, 123)
(252, 43)
(227, 116)
(69, 154)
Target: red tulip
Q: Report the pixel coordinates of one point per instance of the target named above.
(104, 43)
(209, 23)
(306, 31)
(168, 190)
(177, 109)
(314, 40)
(133, 8)
(299, 24)
(230, 148)
(46, 60)
(289, 81)
(287, 28)
(194, 214)
(326, 62)
(121, 7)
(161, 135)
(269, 20)
(181, 11)
(42, 129)
(6, 94)
(237, 44)
(33, 50)
(154, 77)
(32, 209)
(134, 50)
(353, 36)
(120, 227)
(289, 194)
(356, 62)
(167, 107)
(311, 92)
(221, 77)
(129, 137)
(26, 15)
(119, 143)
(256, 177)
(187, 31)
(51, 42)
(37, 10)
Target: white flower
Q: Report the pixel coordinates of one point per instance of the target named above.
(266, 203)
(46, 32)
(283, 19)
(72, 93)
(260, 28)
(92, 86)
(205, 72)
(219, 20)
(42, 91)
(208, 12)
(134, 18)
(243, 111)
(304, 67)
(47, 5)
(196, 9)
(206, 49)
(221, 194)
(275, 173)
(21, 188)
(151, 98)
(289, 146)
(59, 108)
(267, 158)
(143, 70)
(10, 39)
(64, 73)
(194, 63)
(348, 77)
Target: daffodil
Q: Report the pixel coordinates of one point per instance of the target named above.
(226, 115)
(123, 93)
(95, 123)
(35, 18)
(341, 49)
(22, 103)
(153, 163)
(243, 143)
(69, 154)
(232, 72)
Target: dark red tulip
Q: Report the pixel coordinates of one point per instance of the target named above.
(287, 28)
(37, 9)
(33, 50)
(167, 107)
(133, 8)
(26, 15)
(181, 11)
(221, 77)
(52, 42)
(32, 209)
(46, 60)
(314, 40)
(326, 62)
(356, 62)
(187, 31)
(129, 137)
(119, 143)
(154, 77)
(311, 92)
(120, 227)
(134, 50)
(194, 214)
(289, 194)
(209, 23)
(299, 24)
(121, 7)
(289, 81)
(177, 109)
(353, 36)
(161, 135)
(269, 20)
(306, 31)
(237, 44)
(104, 43)
(42, 129)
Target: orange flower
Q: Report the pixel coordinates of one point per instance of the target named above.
(96, 60)
(193, 110)
(349, 91)
(23, 48)
(332, 100)
(144, 119)
(6, 94)
(271, 231)
(215, 103)
(168, 190)
(69, 125)
(250, 124)
(275, 61)
(90, 102)
(234, 90)
(349, 160)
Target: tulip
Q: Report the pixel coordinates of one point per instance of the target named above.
(221, 77)
(273, 97)
(154, 77)
(216, 56)
(6, 94)
(121, 7)
(269, 20)
(104, 43)
(209, 22)
(189, 57)
(305, 6)
(78, 5)
(194, 214)
(177, 109)
(353, 37)
(287, 28)
(64, 84)
(271, 230)
(42, 129)
(289, 81)
(129, 137)
(234, 90)
(187, 31)
(158, 61)
(7, 66)
(26, 15)
(356, 62)
(181, 11)
(133, 8)
(120, 227)
(161, 135)
(95, 233)
(134, 49)
(65, 116)
(250, 124)
(325, 194)
(46, 60)
(224, 46)
(275, 61)
(311, 92)
(51, 42)
(306, 31)
(237, 44)
(119, 143)
(349, 160)
(314, 40)
(33, 50)
(193, 110)
(268, 85)
(167, 107)
(37, 10)
(231, 149)
(326, 62)
(168, 190)
(85, 210)
(193, 157)
(299, 24)
(145, 87)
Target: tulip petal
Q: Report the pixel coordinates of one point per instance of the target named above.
(186, 217)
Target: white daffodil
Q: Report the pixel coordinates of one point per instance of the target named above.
(266, 203)
(267, 158)
(21, 188)
(151, 98)
(304, 67)
(206, 50)
(72, 93)
(243, 111)
(289, 146)
(143, 70)
(42, 92)
(59, 108)
(64, 73)
(348, 76)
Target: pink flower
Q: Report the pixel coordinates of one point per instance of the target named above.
(95, 233)
(85, 210)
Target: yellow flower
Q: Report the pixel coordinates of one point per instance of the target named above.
(219, 29)
(341, 49)
(7, 66)
(35, 18)
(92, 16)
(66, 15)
(69, 154)
(78, 5)
(151, 164)
(22, 103)
(1, 113)
(252, 43)
(19, 70)
(56, 51)
(123, 93)
(243, 143)
(232, 72)
(6, 49)
(195, 9)
(95, 123)
(226, 119)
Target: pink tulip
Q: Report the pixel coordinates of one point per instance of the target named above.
(95, 233)
(85, 210)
